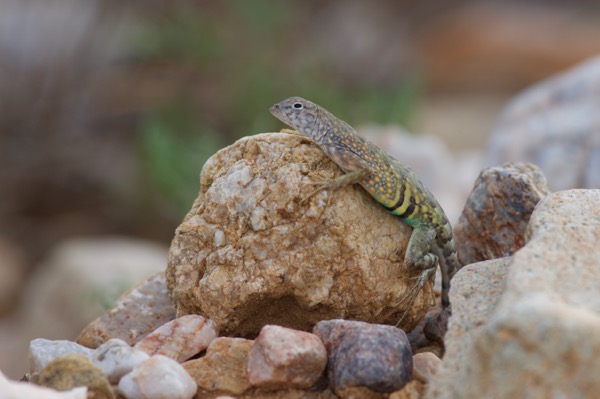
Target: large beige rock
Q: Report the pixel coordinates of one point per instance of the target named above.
(542, 339)
(475, 292)
(250, 253)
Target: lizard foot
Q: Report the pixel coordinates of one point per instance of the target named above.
(323, 184)
(412, 293)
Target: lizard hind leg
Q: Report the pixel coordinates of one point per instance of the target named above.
(418, 256)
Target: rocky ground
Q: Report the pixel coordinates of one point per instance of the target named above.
(263, 294)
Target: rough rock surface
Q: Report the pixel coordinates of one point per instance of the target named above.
(555, 125)
(475, 292)
(72, 371)
(284, 358)
(136, 314)
(180, 339)
(250, 253)
(365, 358)
(547, 317)
(497, 211)
(223, 368)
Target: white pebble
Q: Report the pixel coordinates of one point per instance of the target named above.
(116, 358)
(156, 378)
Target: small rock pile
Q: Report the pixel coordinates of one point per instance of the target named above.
(185, 358)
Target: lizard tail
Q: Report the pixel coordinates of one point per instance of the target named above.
(447, 252)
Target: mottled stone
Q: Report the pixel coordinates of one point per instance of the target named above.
(284, 358)
(547, 318)
(43, 351)
(365, 356)
(157, 378)
(425, 366)
(136, 314)
(72, 371)
(116, 358)
(343, 258)
(223, 368)
(24, 390)
(555, 125)
(497, 211)
(181, 338)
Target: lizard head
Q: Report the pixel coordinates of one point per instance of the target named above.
(297, 113)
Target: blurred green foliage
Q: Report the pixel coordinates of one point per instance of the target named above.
(243, 57)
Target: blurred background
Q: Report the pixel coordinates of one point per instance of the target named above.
(109, 109)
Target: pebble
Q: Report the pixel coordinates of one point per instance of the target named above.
(223, 368)
(158, 377)
(116, 358)
(24, 390)
(425, 366)
(362, 355)
(180, 339)
(72, 371)
(284, 358)
(43, 351)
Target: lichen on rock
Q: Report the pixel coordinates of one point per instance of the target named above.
(251, 253)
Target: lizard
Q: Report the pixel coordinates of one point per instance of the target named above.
(394, 186)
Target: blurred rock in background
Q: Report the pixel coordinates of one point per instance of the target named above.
(78, 281)
(556, 125)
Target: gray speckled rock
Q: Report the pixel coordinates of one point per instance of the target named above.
(548, 317)
(43, 351)
(493, 222)
(555, 125)
(365, 357)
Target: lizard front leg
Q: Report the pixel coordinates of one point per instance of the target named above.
(342, 181)
(355, 167)
(418, 255)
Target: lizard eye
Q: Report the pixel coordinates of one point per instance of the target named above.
(298, 105)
